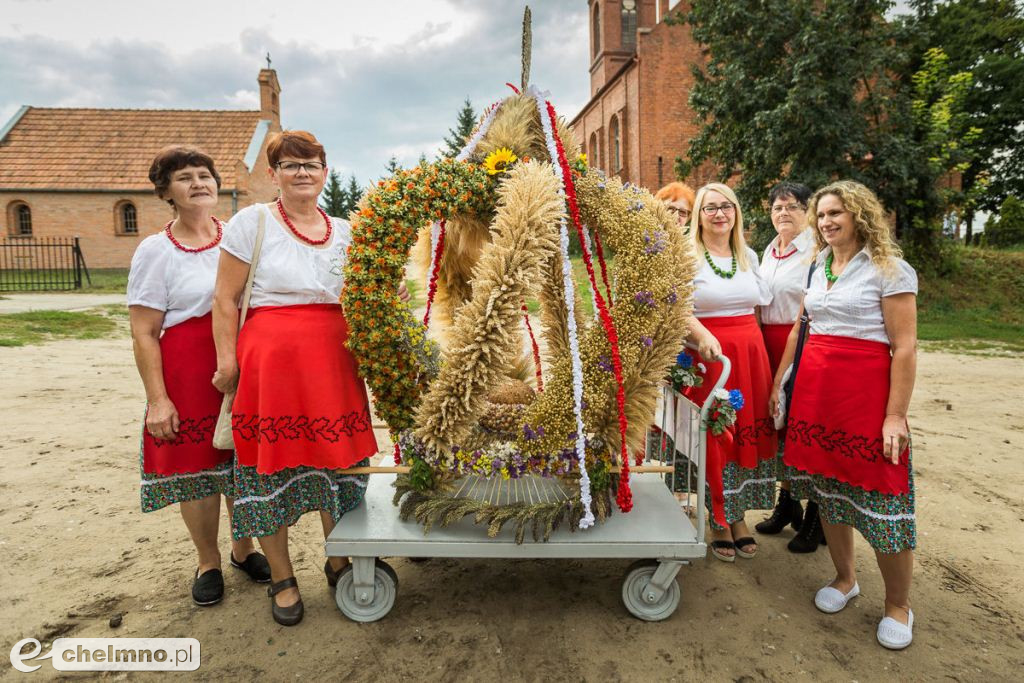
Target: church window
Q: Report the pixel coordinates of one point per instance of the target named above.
(595, 154)
(628, 24)
(615, 143)
(596, 30)
(21, 220)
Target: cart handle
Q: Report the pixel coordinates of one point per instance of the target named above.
(722, 379)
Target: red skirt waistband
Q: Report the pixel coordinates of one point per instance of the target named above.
(849, 343)
(719, 321)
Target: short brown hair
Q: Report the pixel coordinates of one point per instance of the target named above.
(300, 144)
(673, 192)
(174, 158)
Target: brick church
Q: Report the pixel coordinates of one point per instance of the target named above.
(637, 120)
(84, 172)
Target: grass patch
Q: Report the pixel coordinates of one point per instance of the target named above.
(36, 327)
(983, 300)
(103, 281)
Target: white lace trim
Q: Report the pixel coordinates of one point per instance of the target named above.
(870, 513)
(315, 473)
(185, 475)
(733, 492)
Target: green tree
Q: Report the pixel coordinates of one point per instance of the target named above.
(353, 193)
(392, 167)
(457, 136)
(334, 199)
(985, 38)
(1008, 229)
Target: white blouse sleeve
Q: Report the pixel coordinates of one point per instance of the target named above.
(147, 279)
(764, 290)
(240, 233)
(903, 281)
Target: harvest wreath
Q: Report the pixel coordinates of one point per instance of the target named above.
(494, 228)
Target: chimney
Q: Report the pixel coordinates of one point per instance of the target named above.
(270, 100)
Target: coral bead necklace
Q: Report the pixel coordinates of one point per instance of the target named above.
(195, 250)
(288, 222)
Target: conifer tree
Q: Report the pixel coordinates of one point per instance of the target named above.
(334, 199)
(456, 138)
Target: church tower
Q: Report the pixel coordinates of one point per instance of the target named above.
(613, 29)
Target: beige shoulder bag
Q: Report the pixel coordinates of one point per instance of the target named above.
(222, 438)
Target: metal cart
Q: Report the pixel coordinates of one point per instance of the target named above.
(663, 533)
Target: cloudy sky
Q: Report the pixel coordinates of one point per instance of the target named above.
(370, 79)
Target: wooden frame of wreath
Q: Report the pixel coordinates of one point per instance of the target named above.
(461, 415)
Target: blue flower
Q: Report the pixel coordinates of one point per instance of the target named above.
(736, 399)
(684, 360)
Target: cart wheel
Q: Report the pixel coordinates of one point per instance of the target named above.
(385, 587)
(634, 586)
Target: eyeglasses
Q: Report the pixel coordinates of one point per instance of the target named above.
(724, 208)
(685, 213)
(292, 167)
(790, 208)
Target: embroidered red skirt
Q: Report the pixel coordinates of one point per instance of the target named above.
(775, 338)
(300, 400)
(189, 360)
(834, 427)
(753, 438)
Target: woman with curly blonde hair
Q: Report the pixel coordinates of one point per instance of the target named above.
(728, 289)
(847, 440)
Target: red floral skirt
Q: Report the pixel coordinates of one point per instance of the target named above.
(300, 400)
(189, 360)
(775, 338)
(834, 427)
(753, 438)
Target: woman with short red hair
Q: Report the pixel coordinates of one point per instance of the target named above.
(300, 411)
(679, 198)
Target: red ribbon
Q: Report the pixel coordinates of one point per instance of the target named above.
(432, 287)
(604, 268)
(398, 454)
(624, 497)
(536, 349)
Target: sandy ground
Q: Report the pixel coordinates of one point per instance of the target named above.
(76, 551)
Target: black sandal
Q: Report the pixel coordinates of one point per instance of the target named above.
(255, 566)
(286, 616)
(723, 545)
(745, 541)
(333, 576)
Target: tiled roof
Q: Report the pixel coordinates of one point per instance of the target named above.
(111, 149)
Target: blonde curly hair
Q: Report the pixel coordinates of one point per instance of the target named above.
(869, 221)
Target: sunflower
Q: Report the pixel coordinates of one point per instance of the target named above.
(499, 160)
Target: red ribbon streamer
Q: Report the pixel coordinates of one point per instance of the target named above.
(514, 88)
(536, 349)
(604, 268)
(398, 454)
(432, 287)
(624, 497)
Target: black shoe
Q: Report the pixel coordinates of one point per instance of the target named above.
(255, 565)
(286, 616)
(811, 534)
(332, 576)
(208, 588)
(787, 511)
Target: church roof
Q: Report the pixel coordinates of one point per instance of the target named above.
(112, 149)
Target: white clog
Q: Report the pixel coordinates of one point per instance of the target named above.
(831, 600)
(894, 635)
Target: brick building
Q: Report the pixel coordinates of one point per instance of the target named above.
(637, 120)
(84, 172)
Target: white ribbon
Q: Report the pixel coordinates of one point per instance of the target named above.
(570, 304)
(478, 135)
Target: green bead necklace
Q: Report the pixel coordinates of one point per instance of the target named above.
(718, 271)
(828, 269)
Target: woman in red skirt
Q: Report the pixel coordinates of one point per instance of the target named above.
(170, 290)
(847, 439)
(784, 267)
(300, 412)
(741, 466)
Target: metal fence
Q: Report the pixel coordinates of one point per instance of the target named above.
(38, 264)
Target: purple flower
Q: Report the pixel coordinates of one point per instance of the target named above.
(672, 297)
(654, 242)
(645, 298)
(605, 364)
(647, 342)
(528, 433)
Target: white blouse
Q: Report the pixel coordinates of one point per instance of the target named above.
(166, 278)
(289, 272)
(716, 296)
(853, 307)
(786, 279)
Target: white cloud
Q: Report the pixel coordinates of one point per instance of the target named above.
(369, 79)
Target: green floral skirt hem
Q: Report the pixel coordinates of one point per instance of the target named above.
(886, 521)
(160, 490)
(266, 502)
(744, 489)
